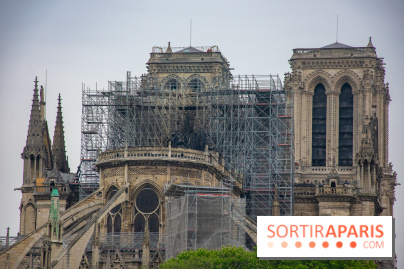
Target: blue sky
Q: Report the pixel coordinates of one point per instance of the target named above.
(96, 41)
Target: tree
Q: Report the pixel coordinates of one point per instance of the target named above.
(233, 257)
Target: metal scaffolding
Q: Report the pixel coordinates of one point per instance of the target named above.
(203, 217)
(247, 119)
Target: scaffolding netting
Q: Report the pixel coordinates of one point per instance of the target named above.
(204, 220)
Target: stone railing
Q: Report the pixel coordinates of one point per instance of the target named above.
(176, 49)
(169, 154)
(151, 153)
(334, 190)
(305, 191)
(327, 169)
(329, 52)
(48, 189)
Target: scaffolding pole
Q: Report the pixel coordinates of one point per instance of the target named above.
(247, 119)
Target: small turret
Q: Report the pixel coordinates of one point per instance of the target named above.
(370, 44)
(55, 225)
(53, 241)
(169, 50)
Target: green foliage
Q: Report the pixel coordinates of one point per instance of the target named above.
(232, 257)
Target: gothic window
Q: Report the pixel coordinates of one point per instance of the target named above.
(111, 192)
(29, 219)
(32, 166)
(319, 125)
(139, 223)
(196, 85)
(154, 223)
(147, 207)
(37, 167)
(114, 219)
(117, 224)
(147, 200)
(109, 224)
(345, 141)
(172, 84)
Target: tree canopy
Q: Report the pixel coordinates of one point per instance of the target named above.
(233, 257)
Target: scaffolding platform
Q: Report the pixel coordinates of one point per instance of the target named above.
(246, 119)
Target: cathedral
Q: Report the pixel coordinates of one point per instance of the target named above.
(190, 155)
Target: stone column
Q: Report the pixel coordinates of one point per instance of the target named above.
(369, 178)
(306, 128)
(126, 173)
(40, 172)
(332, 126)
(34, 174)
(95, 247)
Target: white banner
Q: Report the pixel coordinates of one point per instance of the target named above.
(325, 237)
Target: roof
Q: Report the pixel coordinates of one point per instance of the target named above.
(189, 49)
(55, 193)
(336, 45)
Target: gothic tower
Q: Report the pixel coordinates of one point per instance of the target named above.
(341, 131)
(45, 167)
(37, 159)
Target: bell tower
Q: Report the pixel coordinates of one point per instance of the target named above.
(341, 127)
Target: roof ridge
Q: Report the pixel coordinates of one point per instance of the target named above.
(336, 45)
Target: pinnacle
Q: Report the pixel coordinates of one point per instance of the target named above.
(58, 148)
(35, 122)
(370, 44)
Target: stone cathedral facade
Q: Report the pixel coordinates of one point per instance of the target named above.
(340, 120)
(341, 106)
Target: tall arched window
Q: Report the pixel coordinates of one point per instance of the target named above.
(196, 85)
(172, 84)
(147, 208)
(111, 192)
(117, 224)
(30, 219)
(345, 141)
(32, 167)
(319, 125)
(109, 224)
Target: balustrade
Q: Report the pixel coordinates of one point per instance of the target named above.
(334, 190)
(158, 153)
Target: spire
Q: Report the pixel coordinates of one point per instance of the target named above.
(36, 153)
(42, 104)
(58, 147)
(35, 122)
(370, 44)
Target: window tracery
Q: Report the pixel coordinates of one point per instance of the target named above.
(319, 126)
(345, 138)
